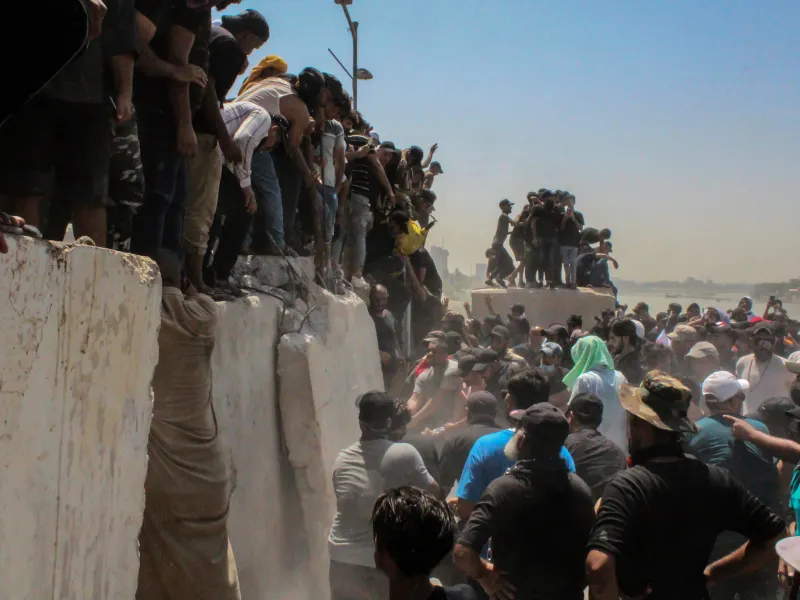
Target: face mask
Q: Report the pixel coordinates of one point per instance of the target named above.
(547, 369)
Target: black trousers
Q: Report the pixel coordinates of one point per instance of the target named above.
(230, 227)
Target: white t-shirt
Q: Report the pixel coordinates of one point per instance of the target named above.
(361, 474)
(767, 380)
(605, 384)
(332, 138)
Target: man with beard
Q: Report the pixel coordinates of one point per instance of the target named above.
(433, 401)
(624, 346)
(538, 517)
(487, 461)
(642, 312)
(763, 370)
(659, 520)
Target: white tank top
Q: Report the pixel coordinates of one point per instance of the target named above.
(267, 94)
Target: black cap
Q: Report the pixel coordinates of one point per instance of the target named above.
(486, 356)
(388, 146)
(493, 319)
(249, 20)
(506, 202)
(761, 327)
(469, 363)
(416, 154)
(482, 403)
(436, 163)
(502, 331)
(435, 336)
(556, 330)
(777, 406)
(545, 426)
(376, 410)
(517, 307)
(588, 407)
(452, 335)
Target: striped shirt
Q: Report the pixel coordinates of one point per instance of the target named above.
(248, 124)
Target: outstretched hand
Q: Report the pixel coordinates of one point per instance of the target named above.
(742, 430)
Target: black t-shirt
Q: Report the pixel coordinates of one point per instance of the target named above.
(361, 170)
(456, 448)
(597, 458)
(538, 517)
(630, 365)
(571, 235)
(501, 233)
(557, 380)
(660, 521)
(225, 61)
(151, 94)
(548, 221)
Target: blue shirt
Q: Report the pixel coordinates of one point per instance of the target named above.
(794, 497)
(487, 461)
(713, 443)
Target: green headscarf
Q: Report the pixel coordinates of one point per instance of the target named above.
(589, 353)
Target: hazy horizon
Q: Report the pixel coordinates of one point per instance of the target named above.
(674, 123)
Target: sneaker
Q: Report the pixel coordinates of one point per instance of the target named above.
(490, 283)
(502, 283)
(358, 282)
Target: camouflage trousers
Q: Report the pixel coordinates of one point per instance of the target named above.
(125, 184)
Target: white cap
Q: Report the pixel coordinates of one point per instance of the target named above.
(793, 362)
(789, 550)
(639, 329)
(723, 386)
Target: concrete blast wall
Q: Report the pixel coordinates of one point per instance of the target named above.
(545, 307)
(79, 330)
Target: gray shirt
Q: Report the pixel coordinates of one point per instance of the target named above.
(445, 378)
(361, 474)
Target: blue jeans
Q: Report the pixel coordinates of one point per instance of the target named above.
(569, 256)
(326, 196)
(159, 222)
(269, 214)
(356, 225)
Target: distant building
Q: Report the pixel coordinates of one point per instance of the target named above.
(480, 272)
(440, 256)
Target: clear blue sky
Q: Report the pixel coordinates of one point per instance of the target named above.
(675, 123)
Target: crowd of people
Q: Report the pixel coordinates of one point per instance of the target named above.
(142, 143)
(132, 131)
(642, 456)
(549, 237)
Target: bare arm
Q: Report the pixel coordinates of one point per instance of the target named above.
(297, 114)
(211, 110)
(122, 72)
(780, 448)
(381, 174)
(180, 44)
(601, 573)
(360, 153)
(746, 559)
(430, 407)
(429, 158)
(338, 167)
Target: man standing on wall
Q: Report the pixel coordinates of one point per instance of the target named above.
(229, 46)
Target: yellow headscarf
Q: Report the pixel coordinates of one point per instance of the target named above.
(272, 61)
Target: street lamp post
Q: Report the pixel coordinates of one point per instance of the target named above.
(354, 33)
